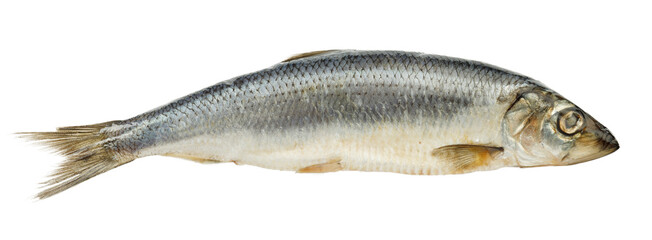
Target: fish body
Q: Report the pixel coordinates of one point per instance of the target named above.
(325, 111)
(371, 111)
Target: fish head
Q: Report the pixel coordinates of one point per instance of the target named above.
(541, 128)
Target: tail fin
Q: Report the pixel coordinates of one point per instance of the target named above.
(86, 151)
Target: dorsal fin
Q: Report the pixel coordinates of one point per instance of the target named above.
(309, 54)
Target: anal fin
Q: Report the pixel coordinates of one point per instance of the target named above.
(192, 158)
(331, 166)
(466, 158)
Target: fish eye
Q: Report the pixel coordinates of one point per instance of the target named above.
(570, 121)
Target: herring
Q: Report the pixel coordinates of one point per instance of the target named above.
(335, 110)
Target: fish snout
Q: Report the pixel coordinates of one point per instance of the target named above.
(595, 141)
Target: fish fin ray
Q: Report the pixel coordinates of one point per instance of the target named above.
(465, 158)
(309, 54)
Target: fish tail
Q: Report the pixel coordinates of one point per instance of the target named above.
(90, 150)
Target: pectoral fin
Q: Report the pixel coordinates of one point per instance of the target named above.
(331, 166)
(466, 158)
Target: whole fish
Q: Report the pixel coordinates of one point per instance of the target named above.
(335, 110)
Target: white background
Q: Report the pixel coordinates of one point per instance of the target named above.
(79, 62)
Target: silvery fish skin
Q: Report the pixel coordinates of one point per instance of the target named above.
(334, 110)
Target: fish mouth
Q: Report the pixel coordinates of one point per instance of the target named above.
(595, 142)
(601, 153)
